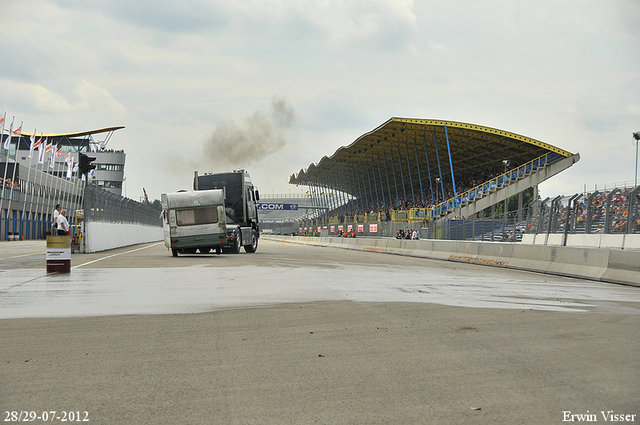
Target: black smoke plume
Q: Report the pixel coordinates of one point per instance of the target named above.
(242, 144)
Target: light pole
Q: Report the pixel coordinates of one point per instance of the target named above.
(636, 136)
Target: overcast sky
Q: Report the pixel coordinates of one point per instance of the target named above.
(197, 83)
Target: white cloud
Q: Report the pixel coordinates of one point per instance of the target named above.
(563, 71)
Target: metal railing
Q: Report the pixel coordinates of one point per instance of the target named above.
(614, 211)
(492, 185)
(103, 206)
(27, 207)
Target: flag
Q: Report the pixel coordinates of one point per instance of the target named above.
(53, 157)
(38, 143)
(2, 126)
(58, 152)
(68, 158)
(49, 146)
(7, 141)
(41, 150)
(18, 131)
(32, 146)
(69, 166)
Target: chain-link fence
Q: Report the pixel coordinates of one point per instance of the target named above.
(103, 206)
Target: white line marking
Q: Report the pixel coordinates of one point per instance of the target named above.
(24, 255)
(115, 255)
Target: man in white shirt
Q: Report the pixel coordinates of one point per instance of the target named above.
(62, 224)
(56, 213)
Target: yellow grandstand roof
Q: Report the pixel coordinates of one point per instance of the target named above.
(74, 134)
(474, 148)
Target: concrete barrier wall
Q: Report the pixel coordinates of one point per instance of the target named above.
(624, 267)
(602, 264)
(631, 241)
(596, 240)
(103, 236)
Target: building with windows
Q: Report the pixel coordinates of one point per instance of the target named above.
(109, 163)
(31, 185)
(109, 171)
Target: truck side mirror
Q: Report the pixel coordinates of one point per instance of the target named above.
(257, 195)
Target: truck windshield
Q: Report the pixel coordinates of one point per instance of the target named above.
(207, 215)
(233, 184)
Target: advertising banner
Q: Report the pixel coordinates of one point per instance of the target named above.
(58, 256)
(271, 206)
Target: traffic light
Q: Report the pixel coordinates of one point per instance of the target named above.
(85, 165)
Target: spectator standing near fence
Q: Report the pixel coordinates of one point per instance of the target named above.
(62, 224)
(56, 213)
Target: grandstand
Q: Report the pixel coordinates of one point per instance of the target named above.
(421, 170)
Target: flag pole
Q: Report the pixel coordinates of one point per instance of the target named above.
(62, 198)
(4, 117)
(41, 149)
(7, 147)
(46, 180)
(55, 182)
(18, 132)
(32, 139)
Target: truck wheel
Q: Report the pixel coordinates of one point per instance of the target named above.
(238, 244)
(218, 250)
(174, 252)
(254, 243)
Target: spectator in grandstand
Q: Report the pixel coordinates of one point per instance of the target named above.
(7, 183)
(619, 225)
